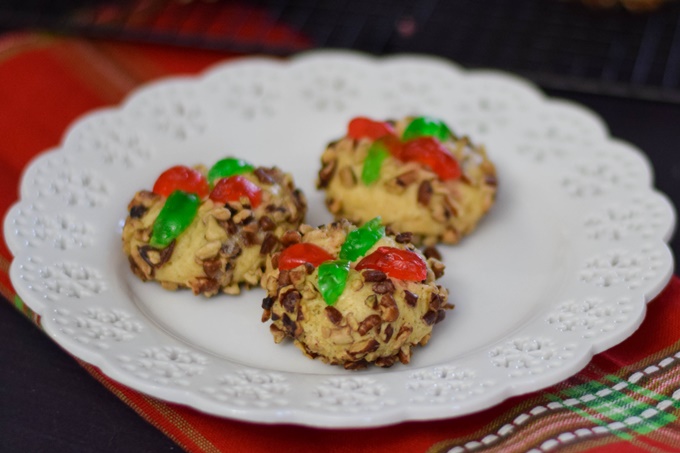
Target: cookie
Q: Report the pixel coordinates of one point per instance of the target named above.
(414, 173)
(353, 296)
(210, 231)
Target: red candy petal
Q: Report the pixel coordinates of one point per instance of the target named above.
(235, 187)
(302, 253)
(397, 263)
(182, 178)
(430, 152)
(362, 127)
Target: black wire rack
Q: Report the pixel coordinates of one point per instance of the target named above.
(559, 44)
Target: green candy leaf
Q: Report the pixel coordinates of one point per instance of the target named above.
(176, 215)
(333, 279)
(377, 153)
(359, 241)
(229, 166)
(425, 126)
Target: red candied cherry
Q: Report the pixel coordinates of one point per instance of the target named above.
(302, 253)
(181, 177)
(430, 152)
(362, 127)
(235, 187)
(398, 263)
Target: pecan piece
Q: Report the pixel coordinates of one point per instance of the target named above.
(384, 287)
(137, 211)
(403, 334)
(407, 178)
(300, 203)
(388, 308)
(371, 301)
(404, 238)
(212, 267)
(289, 326)
(228, 226)
(437, 268)
(334, 315)
(264, 175)
(386, 362)
(405, 355)
(156, 257)
(284, 278)
(435, 301)
(290, 300)
(430, 317)
(424, 193)
(267, 302)
(367, 324)
(326, 173)
(364, 347)
(432, 252)
(410, 298)
(389, 331)
(373, 275)
(297, 275)
(266, 224)
(275, 260)
(268, 244)
(358, 365)
(250, 238)
(290, 237)
(205, 285)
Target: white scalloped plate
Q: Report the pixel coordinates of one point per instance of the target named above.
(561, 268)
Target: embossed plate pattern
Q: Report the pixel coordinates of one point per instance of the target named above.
(561, 268)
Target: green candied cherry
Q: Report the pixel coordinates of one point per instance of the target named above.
(333, 279)
(426, 126)
(229, 166)
(176, 215)
(388, 145)
(377, 153)
(359, 241)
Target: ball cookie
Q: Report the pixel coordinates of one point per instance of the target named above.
(353, 296)
(414, 173)
(210, 231)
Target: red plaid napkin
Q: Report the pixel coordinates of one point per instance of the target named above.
(626, 399)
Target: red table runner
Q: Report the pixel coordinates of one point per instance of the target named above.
(626, 399)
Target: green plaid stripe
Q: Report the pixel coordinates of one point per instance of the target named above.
(623, 408)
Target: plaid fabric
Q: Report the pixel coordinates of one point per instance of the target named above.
(626, 399)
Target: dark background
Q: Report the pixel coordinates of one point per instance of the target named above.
(623, 65)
